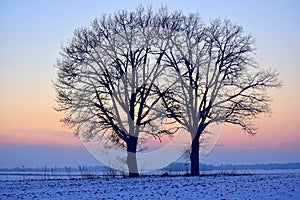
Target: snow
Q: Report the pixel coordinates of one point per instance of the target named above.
(257, 186)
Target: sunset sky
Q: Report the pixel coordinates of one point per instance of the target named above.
(32, 32)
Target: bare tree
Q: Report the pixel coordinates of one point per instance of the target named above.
(215, 79)
(110, 81)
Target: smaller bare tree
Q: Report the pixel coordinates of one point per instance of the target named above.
(215, 79)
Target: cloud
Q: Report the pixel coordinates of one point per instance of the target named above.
(39, 137)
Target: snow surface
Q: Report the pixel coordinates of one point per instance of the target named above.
(258, 186)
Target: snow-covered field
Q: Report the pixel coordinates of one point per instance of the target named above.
(258, 186)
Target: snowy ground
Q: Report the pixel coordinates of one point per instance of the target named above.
(259, 186)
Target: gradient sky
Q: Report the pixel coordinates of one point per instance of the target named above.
(32, 32)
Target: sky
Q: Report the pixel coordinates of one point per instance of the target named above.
(32, 32)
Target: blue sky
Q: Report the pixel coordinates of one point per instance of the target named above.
(32, 32)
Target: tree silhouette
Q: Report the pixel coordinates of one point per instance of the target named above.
(215, 78)
(110, 81)
(119, 79)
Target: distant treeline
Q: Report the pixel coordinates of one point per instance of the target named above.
(206, 167)
(173, 167)
(56, 169)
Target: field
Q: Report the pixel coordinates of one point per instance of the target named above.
(257, 186)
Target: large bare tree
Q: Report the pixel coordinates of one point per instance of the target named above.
(110, 80)
(215, 78)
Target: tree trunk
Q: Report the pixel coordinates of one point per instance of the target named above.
(195, 157)
(131, 156)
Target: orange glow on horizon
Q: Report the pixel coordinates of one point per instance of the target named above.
(36, 113)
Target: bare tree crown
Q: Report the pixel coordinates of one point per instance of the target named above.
(215, 78)
(110, 75)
